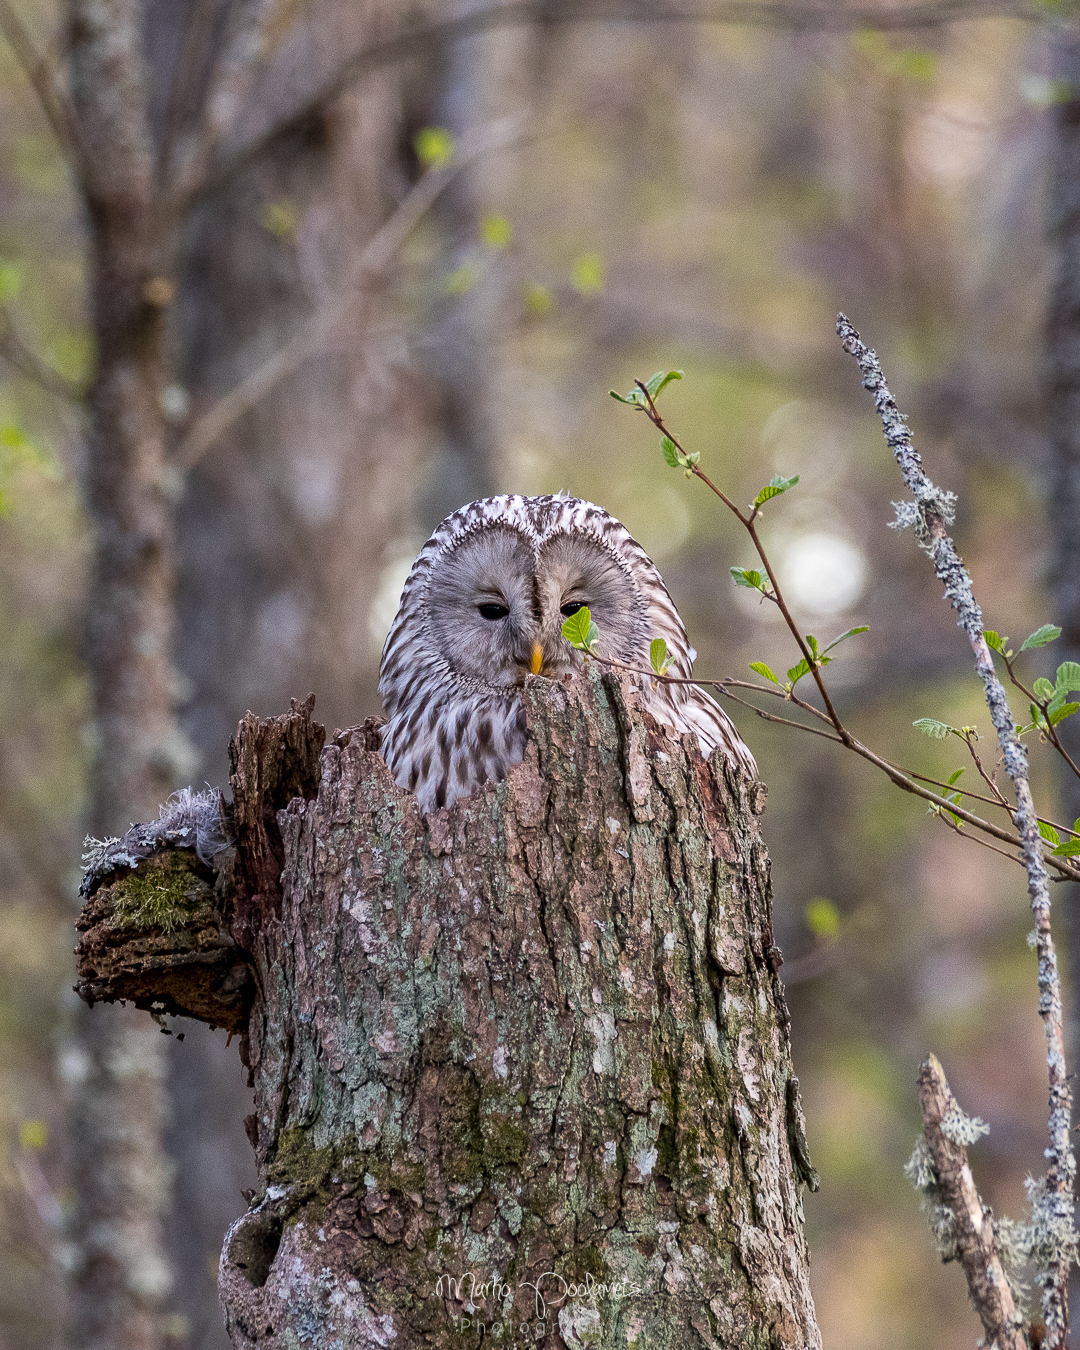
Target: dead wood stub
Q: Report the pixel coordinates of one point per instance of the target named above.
(272, 761)
(154, 935)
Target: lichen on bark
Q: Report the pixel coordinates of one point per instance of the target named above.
(522, 1066)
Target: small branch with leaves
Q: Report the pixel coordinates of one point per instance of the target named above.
(814, 656)
(1050, 1239)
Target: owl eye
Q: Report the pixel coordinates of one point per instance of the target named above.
(571, 607)
(493, 612)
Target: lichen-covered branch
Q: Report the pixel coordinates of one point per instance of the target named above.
(930, 514)
(963, 1225)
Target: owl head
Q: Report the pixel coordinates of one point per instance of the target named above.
(487, 598)
(483, 608)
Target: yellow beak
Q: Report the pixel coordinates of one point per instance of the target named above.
(537, 658)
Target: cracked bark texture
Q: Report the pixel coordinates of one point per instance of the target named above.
(521, 1066)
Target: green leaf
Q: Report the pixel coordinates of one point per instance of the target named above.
(671, 451)
(588, 273)
(953, 777)
(916, 65)
(580, 630)
(1043, 689)
(1060, 714)
(764, 671)
(851, 632)
(658, 655)
(994, 640)
(657, 383)
(1068, 677)
(811, 642)
(17, 450)
(33, 1134)
(635, 397)
(280, 218)
(496, 231)
(1041, 637)
(796, 673)
(434, 146)
(538, 301)
(930, 726)
(11, 278)
(1069, 849)
(776, 486)
(463, 278)
(822, 917)
(1049, 833)
(746, 576)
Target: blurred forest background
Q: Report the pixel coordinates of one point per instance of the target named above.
(640, 194)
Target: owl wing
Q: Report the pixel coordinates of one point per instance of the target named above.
(688, 708)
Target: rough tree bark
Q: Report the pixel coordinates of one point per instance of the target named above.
(521, 1066)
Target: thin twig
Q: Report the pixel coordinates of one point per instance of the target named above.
(185, 159)
(772, 717)
(930, 514)
(15, 351)
(747, 521)
(38, 71)
(373, 260)
(947, 820)
(970, 736)
(900, 777)
(414, 39)
(1048, 732)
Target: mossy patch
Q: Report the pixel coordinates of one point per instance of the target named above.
(164, 892)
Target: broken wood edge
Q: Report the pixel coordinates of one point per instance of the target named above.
(156, 935)
(963, 1223)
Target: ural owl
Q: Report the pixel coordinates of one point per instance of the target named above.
(483, 607)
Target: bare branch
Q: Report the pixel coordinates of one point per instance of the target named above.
(185, 159)
(373, 260)
(784, 14)
(930, 514)
(38, 71)
(969, 1224)
(19, 355)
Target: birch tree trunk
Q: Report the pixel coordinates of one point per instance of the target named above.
(521, 1066)
(120, 1274)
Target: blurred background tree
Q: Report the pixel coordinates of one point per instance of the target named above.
(702, 195)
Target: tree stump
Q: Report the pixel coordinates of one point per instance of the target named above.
(521, 1067)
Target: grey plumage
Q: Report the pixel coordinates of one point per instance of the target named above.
(493, 584)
